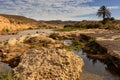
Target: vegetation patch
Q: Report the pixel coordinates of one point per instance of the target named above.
(5, 30)
(76, 45)
(34, 42)
(91, 46)
(8, 76)
(67, 29)
(54, 35)
(105, 24)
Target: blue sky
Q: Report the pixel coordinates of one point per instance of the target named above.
(59, 9)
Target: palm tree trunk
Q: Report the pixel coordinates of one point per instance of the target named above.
(103, 16)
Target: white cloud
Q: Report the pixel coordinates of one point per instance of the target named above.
(114, 7)
(49, 9)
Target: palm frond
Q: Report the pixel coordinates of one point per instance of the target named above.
(103, 12)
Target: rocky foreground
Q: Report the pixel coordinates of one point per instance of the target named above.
(43, 56)
(40, 57)
(100, 44)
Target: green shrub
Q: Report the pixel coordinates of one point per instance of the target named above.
(68, 29)
(88, 25)
(5, 30)
(54, 35)
(76, 45)
(67, 26)
(112, 18)
(107, 23)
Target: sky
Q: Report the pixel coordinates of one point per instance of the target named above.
(59, 9)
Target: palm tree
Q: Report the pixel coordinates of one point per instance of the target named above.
(104, 12)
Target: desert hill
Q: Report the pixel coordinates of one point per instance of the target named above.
(19, 18)
(13, 23)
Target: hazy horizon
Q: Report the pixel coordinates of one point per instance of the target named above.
(72, 10)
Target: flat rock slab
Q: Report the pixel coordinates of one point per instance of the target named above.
(109, 40)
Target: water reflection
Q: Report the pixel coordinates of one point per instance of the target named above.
(96, 67)
(5, 68)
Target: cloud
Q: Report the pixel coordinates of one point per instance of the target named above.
(49, 9)
(114, 7)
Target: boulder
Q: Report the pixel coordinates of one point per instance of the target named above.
(12, 41)
(49, 64)
(21, 39)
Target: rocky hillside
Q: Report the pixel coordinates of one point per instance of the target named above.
(7, 25)
(20, 19)
(13, 23)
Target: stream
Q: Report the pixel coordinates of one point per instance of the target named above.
(92, 69)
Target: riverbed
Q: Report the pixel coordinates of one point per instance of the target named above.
(92, 70)
(25, 32)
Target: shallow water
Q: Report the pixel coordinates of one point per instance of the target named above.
(5, 68)
(94, 69)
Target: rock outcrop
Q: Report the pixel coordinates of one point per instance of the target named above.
(42, 58)
(49, 64)
(7, 25)
(104, 46)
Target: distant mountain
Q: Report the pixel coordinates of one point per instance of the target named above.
(59, 22)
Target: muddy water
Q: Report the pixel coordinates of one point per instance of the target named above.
(24, 32)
